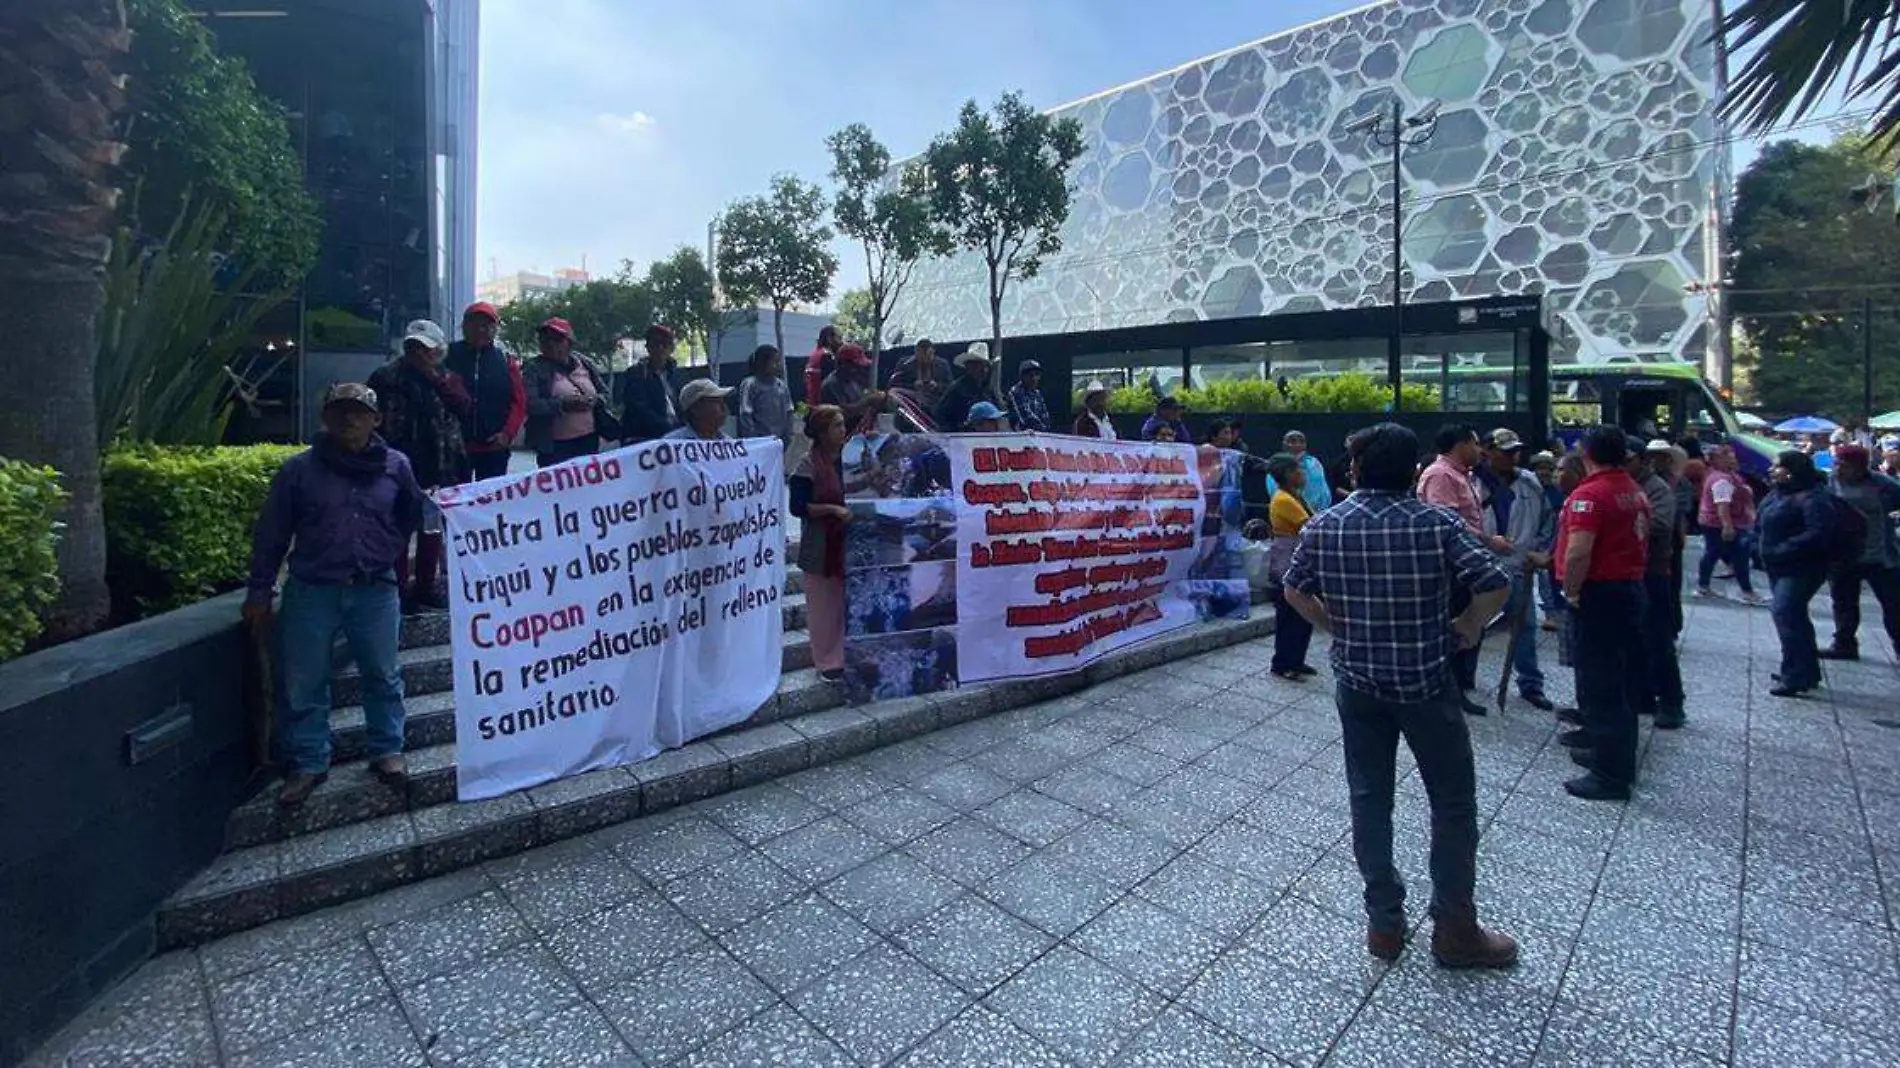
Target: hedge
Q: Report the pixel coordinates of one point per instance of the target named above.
(1350, 392)
(29, 577)
(179, 518)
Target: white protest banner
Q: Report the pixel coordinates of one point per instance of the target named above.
(609, 607)
(1069, 548)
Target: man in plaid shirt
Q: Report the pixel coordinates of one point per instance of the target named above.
(1376, 571)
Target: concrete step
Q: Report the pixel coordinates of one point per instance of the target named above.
(428, 669)
(403, 839)
(352, 794)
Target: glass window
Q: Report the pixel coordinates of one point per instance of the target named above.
(1156, 369)
(1475, 372)
(1338, 375)
(1227, 363)
(1575, 402)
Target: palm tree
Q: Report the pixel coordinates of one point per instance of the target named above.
(1798, 49)
(60, 94)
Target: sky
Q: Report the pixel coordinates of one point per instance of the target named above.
(617, 129)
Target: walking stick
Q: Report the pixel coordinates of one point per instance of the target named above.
(1516, 623)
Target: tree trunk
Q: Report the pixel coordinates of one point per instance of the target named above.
(49, 419)
(778, 329)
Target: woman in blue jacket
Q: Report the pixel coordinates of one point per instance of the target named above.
(1795, 549)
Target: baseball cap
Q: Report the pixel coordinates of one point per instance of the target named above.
(1659, 445)
(1169, 401)
(425, 331)
(482, 307)
(350, 393)
(557, 325)
(1095, 385)
(984, 410)
(852, 354)
(698, 390)
(1028, 367)
(1504, 439)
(1853, 454)
(1544, 458)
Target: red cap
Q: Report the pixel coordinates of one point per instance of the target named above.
(1853, 454)
(482, 307)
(854, 355)
(559, 326)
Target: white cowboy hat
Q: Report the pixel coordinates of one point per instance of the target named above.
(977, 351)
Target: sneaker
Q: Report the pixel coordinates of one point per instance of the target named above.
(1594, 787)
(1385, 945)
(832, 675)
(1307, 669)
(1750, 597)
(1704, 591)
(392, 770)
(1464, 944)
(298, 786)
(1782, 689)
(1289, 674)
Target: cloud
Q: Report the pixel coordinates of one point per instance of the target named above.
(631, 122)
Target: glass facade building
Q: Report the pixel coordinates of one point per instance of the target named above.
(381, 97)
(1575, 155)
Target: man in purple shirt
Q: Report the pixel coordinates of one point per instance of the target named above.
(342, 510)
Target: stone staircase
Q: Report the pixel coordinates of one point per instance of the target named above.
(357, 836)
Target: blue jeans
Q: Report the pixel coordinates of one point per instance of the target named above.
(1800, 657)
(1548, 598)
(1737, 554)
(1441, 743)
(370, 618)
(1530, 677)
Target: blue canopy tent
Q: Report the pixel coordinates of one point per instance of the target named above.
(1807, 424)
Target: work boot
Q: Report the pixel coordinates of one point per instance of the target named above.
(1463, 943)
(392, 770)
(1837, 651)
(1594, 787)
(1385, 945)
(298, 786)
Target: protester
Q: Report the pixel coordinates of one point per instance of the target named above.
(1727, 514)
(1093, 420)
(817, 499)
(1890, 457)
(1544, 466)
(422, 408)
(1224, 434)
(1164, 434)
(972, 385)
(986, 418)
(1028, 408)
(1601, 556)
(1796, 551)
(1662, 694)
(923, 374)
(342, 510)
(1674, 469)
(765, 403)
(1520, 511)
(1167, 413)
(649, 391)
(1449, 483)
(1876, 497)
(1287, 515)
(1316, 494)
(567, 407)
(703, 404)
(1375, 571)
(493, 378)
(820, 364)
(849, 388)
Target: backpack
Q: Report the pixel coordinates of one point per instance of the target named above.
(1846, 528)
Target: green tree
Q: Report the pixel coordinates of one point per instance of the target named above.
(999, 184)
(775, 248)
(198, 130)
(60, 97)
(890, 220)
(854, 317)
(1803, 254)
(682, 290)
(1799, 49)
(601, 312)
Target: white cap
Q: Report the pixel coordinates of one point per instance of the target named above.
(427, 332)
(698, 390)
(1658, 445)
(1095, 385)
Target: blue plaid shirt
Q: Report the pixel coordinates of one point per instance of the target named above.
(1028, 408)
(1384, 564)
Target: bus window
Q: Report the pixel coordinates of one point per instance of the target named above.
(1649, 412)
(1575, 402)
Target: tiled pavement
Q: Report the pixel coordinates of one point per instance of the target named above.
(1153, 872)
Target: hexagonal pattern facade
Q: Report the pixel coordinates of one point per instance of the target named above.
(1575, 154)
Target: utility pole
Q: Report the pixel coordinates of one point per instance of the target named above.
(1396, 131)
(1867, 362)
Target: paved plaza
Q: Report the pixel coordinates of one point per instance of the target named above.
(1151, 872)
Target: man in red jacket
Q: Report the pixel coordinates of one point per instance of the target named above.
(822, 361)
(494, 383)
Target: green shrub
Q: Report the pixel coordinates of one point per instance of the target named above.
(178, 519)
(1233, 396)
(29, 577)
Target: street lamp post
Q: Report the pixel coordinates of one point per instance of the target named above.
(1397, 131)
